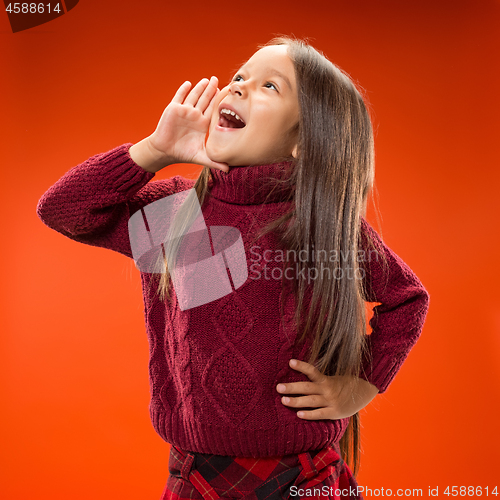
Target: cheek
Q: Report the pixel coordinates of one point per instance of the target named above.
(271, 125)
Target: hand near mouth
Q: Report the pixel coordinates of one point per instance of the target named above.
(181, 131)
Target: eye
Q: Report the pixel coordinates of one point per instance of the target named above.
(237, 78)
(270, 85)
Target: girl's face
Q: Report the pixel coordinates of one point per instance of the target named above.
(264, 96)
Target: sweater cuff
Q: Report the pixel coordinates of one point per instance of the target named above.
(123, 173)
(380, 370)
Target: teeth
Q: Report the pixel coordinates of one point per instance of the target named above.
(232, 113)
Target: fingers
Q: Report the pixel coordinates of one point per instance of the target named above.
(316, 401)
(307, 369)
(298, 388)
(201, 96)
(206, 100)
(181, 93)
(319, 414)
(202, 93)
(196, 92)
(209, 110)
(322, 412)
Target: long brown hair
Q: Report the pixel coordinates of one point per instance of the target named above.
(331, 176)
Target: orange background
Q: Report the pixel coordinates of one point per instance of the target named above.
(74, 420)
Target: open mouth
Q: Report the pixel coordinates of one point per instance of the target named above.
(229, 119)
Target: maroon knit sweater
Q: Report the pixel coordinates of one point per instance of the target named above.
(214, 368)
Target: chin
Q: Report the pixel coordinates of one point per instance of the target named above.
(219, 156)
(215, 155)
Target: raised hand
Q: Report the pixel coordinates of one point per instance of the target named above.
(324, 394)
(181, 131)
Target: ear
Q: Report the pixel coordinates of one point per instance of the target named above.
(294, 151)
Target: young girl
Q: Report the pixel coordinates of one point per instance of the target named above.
(256, 386)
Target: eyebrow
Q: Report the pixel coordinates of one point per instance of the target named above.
(277, 73)
(285, 78)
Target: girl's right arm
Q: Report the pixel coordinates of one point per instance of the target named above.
(93, 201)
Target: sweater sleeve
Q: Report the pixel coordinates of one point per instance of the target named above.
(93, 201)
(398, 319)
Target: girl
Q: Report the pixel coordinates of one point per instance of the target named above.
(256, 387)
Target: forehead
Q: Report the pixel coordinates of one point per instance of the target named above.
(269, 57)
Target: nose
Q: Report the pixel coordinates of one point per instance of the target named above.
(236, 88)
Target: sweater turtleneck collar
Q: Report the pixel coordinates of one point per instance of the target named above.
(252, 185)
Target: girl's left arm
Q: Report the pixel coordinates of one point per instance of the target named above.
(396, 326)
(398, 319)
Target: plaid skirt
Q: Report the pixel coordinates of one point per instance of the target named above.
(320, 474)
